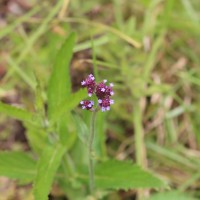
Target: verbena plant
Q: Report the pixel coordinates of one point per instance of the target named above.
(58, 139)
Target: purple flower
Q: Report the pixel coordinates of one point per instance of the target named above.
(86, 104)
(90, 84)
(109, 90)
(102, 92)
(105, 103)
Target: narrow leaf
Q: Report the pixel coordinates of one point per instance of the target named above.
(17, 113)
(114, 174)
(46, 169)
(59, 83)
(17, 165)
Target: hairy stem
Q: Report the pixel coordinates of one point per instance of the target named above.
(90, 149)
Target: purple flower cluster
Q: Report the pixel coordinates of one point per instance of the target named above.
(102, 91)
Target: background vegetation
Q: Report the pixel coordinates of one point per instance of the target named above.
(148, 49)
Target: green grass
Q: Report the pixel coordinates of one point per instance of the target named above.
(149, 50)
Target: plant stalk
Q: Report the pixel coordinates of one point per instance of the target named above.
(139, 134)
(90, 149)
(140, 149)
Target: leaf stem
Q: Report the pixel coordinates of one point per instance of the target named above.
(90, 149)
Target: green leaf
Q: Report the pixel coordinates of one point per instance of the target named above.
(37, 137)
(172, 195)
(59, 84)
(46, 169)
(67, 134)
(18, 113)
(68, 104)
(100, 136)
(17, 165)
(82, 129)
(115, 174)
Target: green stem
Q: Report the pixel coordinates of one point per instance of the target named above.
(139, 142)
(90, 149)
(139, 134)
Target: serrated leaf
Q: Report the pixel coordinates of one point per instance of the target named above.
(172, 195)
(46, 169)
(18, 113)
(17, 165)
(115, 174)
(60, 84)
